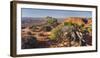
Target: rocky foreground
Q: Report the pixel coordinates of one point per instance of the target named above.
(72, 32)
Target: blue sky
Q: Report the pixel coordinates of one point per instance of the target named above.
(30, 12)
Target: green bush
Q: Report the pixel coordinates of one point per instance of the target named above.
(68, 24)
(55, 33)
(51, 20)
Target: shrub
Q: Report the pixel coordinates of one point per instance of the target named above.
(51, 20)
(55, 33)
(68, 24)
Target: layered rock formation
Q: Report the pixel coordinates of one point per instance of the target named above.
(79, 21)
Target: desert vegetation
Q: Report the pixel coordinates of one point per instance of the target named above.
(50, 32)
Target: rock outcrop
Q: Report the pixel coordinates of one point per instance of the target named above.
(79, 20)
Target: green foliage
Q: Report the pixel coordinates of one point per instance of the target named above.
(51, 20)
(55, 32)
(54, 20)
(89, 29)
(68, 24)
(82, 25)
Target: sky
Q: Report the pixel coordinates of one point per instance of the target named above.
(31, 12)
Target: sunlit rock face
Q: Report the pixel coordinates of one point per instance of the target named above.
(79, 20)
(76, 20)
